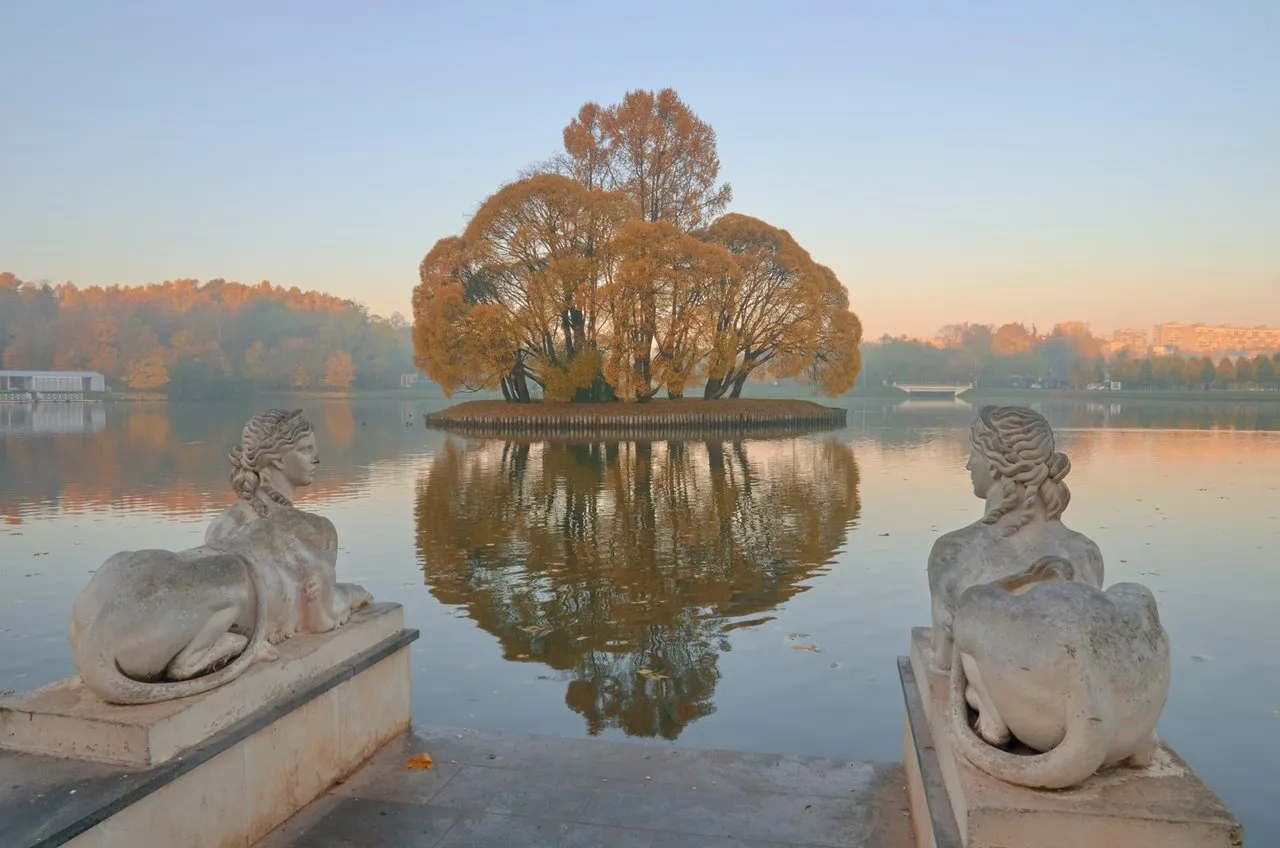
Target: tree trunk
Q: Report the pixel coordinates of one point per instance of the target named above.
(738, 384)
(713, 389)
(520, 382)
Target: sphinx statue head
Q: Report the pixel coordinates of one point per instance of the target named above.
(1016, 467)
(276, 455)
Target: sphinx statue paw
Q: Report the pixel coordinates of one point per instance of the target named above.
(993, 731)
(311, 587)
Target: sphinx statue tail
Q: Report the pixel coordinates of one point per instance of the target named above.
(1081, 752)
(1045, 569)
(104, 676)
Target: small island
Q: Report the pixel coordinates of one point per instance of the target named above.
(685, 416)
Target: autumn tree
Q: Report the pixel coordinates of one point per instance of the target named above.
(770, 312)
(1225, 373)
(1244, 371)
(340, 371)
(149, 372)
(655, 308)
(1207, 372)
(1264, 371)
(655, 149)
(1011, 340)
(837, 355)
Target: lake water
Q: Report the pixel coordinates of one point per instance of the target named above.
(749, 595)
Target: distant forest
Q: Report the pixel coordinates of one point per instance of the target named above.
(1067, 356)
(193, 340)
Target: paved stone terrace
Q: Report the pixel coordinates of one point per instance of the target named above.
(513, 790)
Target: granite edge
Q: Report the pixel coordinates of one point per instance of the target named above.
(147, 781)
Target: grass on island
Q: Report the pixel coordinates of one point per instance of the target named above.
(654, 409)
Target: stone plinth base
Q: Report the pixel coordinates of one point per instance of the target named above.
(956, 804)
(222, 768)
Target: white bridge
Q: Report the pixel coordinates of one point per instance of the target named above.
(934, 389)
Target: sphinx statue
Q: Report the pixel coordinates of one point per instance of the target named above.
(155, 625)
(1016, 468)
(1074, 673)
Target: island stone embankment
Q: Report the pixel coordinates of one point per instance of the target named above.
(685, 416)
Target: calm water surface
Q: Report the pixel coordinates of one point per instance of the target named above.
(750, 594)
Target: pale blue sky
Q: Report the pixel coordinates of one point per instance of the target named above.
(1117, 162)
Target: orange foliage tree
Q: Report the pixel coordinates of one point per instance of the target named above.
(608, 274)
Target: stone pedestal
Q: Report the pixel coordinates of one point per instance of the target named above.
(222, 768)
(955, 804)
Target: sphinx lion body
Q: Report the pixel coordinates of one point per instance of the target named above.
(1073, 672)
(153, 625)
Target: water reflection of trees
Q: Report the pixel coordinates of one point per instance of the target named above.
(172, 458)
(622, 565)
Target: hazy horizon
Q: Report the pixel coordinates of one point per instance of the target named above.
(1109, 164)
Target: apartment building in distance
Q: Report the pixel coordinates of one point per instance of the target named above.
(1132, 341)
(1184, 339)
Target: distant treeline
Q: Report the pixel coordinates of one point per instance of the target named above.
(194, 340)
(1067, 356)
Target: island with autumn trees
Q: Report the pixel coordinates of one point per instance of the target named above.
(611, 273)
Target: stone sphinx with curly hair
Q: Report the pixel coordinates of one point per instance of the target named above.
(154, 625)
(1016, 468)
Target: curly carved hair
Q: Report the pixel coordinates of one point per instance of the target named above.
(267, 437)
(1018, 445)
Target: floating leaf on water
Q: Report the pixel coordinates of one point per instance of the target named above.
(837, 665)
(522, 656)
(419, 762)
(536, 629)
(813, 648)
(798, 636)
(1200, 657)
(650, 674)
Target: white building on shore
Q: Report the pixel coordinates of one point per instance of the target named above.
(52, 382)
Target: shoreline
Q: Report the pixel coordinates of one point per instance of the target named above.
(757, 416)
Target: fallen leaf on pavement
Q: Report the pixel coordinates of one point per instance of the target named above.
(418, 762)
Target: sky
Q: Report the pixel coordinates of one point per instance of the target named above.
(1117, 163)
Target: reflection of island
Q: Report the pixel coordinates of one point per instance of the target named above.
(621, 564)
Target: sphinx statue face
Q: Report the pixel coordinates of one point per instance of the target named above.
(979, 473)
(298, 464)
